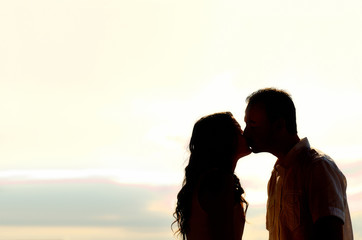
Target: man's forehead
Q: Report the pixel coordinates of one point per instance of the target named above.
(255, 112)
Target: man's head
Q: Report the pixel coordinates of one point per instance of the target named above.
(270, 114)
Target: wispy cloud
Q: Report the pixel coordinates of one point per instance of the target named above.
(116, 175)
(85, 203)
(105, 207)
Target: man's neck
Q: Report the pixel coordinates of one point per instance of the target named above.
(284, 146)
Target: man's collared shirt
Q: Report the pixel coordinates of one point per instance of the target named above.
(306, 186)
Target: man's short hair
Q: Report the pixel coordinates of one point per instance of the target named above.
(278, 104)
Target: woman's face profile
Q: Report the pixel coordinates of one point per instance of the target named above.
(242, 148)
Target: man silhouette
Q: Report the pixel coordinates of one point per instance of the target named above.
(306, 191)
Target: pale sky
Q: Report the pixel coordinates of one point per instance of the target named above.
(112, 88)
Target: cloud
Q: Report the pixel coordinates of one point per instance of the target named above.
(73, 207)
(78, 233)
(85, 203)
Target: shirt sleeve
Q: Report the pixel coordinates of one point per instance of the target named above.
(326, 190)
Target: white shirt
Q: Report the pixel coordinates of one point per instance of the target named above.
(307, 187)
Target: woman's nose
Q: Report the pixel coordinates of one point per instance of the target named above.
(246, 131)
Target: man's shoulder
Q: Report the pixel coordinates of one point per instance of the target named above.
(319, 157)
(314, 156)
(306, 154)
(318, 162)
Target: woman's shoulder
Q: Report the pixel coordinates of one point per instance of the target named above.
(216, 187)
(215, 178)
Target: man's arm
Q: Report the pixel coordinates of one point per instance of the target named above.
(329, 228)
(326, 200)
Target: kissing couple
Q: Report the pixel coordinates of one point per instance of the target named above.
(306, 190)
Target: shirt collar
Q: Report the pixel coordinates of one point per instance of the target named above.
(292, 154)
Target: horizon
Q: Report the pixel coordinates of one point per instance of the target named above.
(97, 205)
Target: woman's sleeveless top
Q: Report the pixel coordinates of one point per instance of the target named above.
(199, 229)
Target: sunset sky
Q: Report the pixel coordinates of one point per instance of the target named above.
(98, 100)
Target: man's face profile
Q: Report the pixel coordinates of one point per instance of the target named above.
(258, 128)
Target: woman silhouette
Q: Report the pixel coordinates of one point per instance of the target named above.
(210, 203)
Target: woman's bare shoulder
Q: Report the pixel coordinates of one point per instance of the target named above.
(215, 188)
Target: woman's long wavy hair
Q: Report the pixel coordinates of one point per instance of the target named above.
(213, 145)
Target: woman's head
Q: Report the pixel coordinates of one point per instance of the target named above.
(217, 142)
